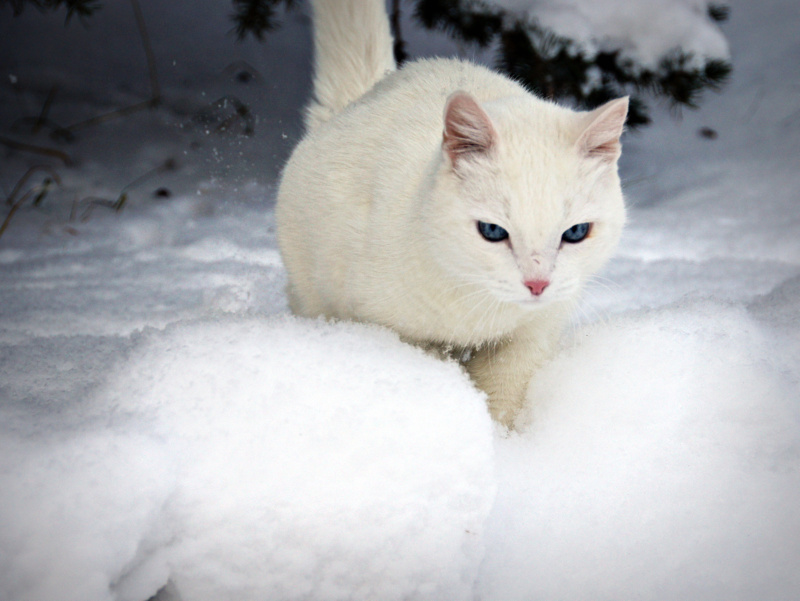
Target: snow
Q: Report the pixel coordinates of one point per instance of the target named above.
(289, 440)
(165, 422)
(643, 30)
(677, 472)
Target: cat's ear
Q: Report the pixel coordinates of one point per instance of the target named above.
(467, 128)
(604, 125)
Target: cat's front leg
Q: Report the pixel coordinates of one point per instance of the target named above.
(504, 369)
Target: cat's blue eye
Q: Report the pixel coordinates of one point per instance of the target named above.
(577, 233)
(492, 232)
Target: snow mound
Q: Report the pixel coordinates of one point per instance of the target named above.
(660, 460)
(242, 459)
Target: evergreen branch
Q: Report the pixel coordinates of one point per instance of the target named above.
(468, 20)
(717, 72)
(719, 12)
(82, 8)
(555, 68)
(400, 54)
(256, 17)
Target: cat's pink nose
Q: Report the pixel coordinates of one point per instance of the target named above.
(537, 286)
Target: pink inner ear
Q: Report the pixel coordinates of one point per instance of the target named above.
(467, 128)
(600, 139)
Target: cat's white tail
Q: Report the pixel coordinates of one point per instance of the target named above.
(352, 52)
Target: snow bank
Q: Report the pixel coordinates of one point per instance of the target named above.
(660, 460)
(249, 459)
(73, 509)
(287, 459)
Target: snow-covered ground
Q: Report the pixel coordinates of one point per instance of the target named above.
(162, 417)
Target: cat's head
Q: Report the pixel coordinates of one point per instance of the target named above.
(527, 201)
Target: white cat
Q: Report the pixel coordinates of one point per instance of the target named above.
(446, 202)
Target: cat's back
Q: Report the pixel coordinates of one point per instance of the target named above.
(411, 101)
(391, 134)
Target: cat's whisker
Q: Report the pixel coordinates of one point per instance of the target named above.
(489, 310)
(585, 317)
(609, 287)
(596, 316)
(606, 283)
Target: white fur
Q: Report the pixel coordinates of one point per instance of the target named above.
(377, 218)
(352, 50)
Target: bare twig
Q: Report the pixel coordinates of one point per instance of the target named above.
(168, 165)
(51, 152)
(42, 118)
(155, 88)
(40, 191)
(14, 208)
(56, 131)
(93, 201)
(117, 205)
(24, 179)
(123, 112)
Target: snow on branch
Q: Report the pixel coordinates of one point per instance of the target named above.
(590, 51)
